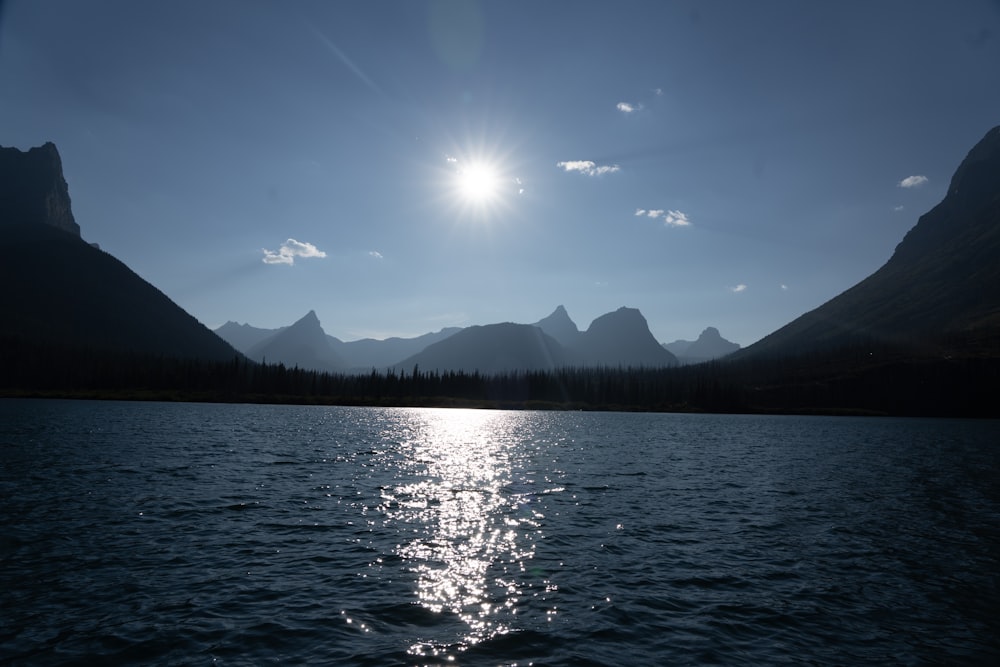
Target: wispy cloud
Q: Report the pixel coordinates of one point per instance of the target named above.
(588, 167)
(784, 287)
(658, 92)
(671, 218)
(897, 209)
(913, 181)
(375, 254)
(289, 250)
(736, 289)
(628, 107)
(676, 219)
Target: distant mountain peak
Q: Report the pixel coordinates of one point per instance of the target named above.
(303, 344)
(33, 190)
(559, 326)
(308, 318)
(709, 345)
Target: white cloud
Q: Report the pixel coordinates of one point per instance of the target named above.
(897, 209)
(738, 288)
(375, 254)
(676, 219)
(913, 181)
(784, 287)
(658, 91)
(649, 213)
(628, 107)
(670, 218)
(289, 250)
(588, 167)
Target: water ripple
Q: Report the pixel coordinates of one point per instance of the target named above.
(178, 534)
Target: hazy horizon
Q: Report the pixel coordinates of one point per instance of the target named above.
(404, 167)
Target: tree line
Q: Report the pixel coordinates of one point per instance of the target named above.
(862, 378)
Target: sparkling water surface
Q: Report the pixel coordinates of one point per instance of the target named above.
(176, 534)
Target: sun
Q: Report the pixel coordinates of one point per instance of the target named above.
(478, 183)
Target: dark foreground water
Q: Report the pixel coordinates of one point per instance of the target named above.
(177, 534)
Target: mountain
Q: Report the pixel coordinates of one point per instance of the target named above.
(243, 336)
(56, 291)
(710, 345)
(621, 338)
(492, 348)
(303, 344)
(940, 290)
(560, 327)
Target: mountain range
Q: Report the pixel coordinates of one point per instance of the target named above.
(618, 339)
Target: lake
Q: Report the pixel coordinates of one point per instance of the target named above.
(176, 534)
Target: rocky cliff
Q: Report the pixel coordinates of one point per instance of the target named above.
(33, 190)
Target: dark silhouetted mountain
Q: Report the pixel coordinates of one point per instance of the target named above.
(369, 353)
(243, 336)
(33, 190)
(710, 345)
(621, 338)
(941, 283)
(492, 348)
(560, 327)
(303, 344)
(57, 291)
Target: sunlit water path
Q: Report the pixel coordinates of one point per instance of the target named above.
(137, 533)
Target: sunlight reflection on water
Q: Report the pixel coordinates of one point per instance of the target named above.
(469, 545)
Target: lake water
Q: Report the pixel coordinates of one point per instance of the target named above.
(176, 534)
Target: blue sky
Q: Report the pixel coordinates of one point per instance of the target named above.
(720, 163)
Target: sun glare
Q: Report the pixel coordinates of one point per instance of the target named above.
(478, 183)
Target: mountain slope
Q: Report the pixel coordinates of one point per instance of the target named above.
(942, 281)
(55, 289)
